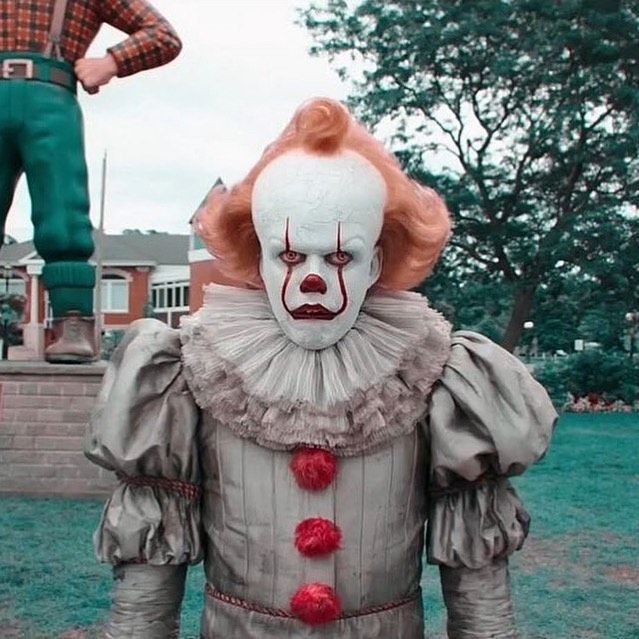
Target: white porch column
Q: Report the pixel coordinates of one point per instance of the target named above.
(33, 332)
(34, 298)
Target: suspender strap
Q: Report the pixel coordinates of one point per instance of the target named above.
(55, 32)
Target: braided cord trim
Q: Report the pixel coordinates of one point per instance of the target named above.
(184, 488)
(279, 612)
(462, 485)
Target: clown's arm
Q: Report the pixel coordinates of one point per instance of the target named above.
(144, 429)
(488, 420)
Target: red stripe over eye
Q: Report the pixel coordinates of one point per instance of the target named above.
(292, 257)
(339, 258)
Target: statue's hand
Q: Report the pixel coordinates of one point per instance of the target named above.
(95, 72)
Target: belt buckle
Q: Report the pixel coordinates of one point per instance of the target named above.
(11, 67)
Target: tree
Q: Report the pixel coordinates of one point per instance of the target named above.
(11, 313)
(477, 303)
(533, 103)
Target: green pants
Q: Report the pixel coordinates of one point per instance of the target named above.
(41, 134)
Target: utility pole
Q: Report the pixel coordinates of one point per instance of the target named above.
(99, 257)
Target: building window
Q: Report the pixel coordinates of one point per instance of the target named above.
(14, 286)
(170, 301)
(115, 294)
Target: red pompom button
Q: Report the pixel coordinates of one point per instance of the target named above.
(315, 604)
(315, 537)
(314, 469)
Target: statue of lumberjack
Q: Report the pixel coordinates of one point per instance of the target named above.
(42, 49)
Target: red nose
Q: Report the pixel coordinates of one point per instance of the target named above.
(313, 283)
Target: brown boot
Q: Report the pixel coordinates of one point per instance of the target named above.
(74, 340)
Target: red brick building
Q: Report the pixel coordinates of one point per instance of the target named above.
(204, 270)
(148, 271)
(140, 271)
(203, 266)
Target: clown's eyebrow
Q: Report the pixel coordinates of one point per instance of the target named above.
(352, 242)
(283, 242)
(356, 240)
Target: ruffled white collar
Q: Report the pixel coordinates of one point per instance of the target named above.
(358, 393)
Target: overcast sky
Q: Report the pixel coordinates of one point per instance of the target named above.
(170, 132)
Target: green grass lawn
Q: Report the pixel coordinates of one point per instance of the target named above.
(577, 577)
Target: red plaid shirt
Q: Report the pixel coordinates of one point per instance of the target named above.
(25, 24)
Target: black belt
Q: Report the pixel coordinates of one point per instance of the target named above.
(27, 69)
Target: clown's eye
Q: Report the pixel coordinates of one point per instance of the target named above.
(339, 258)
(292, 257)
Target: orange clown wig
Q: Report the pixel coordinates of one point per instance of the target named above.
(416, 222)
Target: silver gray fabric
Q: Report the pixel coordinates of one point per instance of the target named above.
(225, 621)
(473, 526)
(479, 602)
(252, 505)
(145, 419)
(146, 602)
(486, 416)
(144, 424)
(150, 524)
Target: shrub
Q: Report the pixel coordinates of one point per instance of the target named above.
(110, 341)
(552, 374)
(601, 376)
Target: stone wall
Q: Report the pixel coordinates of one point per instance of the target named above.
(44, 410)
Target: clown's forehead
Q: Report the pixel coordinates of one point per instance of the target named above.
(315, 194)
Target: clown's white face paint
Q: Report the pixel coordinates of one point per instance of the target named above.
(318, 220)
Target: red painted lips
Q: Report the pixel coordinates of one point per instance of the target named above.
(313, 312)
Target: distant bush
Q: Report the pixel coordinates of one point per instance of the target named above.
(110, 341)
(604, 377)
(553, 375)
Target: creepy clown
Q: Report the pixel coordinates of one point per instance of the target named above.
(310, 434)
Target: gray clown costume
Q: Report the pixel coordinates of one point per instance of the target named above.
(204, 426)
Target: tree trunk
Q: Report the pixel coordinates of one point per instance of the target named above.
(523, 303)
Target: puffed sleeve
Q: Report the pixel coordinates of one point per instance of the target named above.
(488, 420)
(144, 429)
